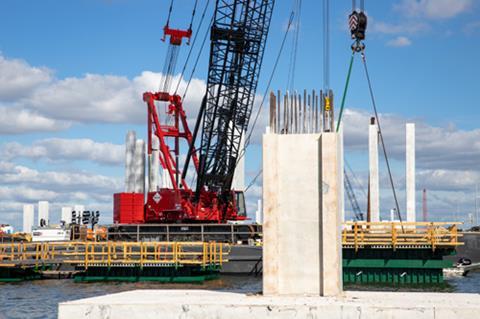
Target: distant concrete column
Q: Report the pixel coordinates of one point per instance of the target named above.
(139, 166)
(374, 194)
(259, 213)
(129, 153)
(42, 212)
(410, 172)
(66, 214)
(154, 165)
(341, 171)
(28, 217)
(238, 182)
(79, 209)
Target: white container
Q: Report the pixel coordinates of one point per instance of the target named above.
(50, 234)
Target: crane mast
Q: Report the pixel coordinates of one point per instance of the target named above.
(238, 36)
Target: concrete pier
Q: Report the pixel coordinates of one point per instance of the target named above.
(66, 214)
(373, 179)
(301, 227)
(410, 172)
(201, 304)
(28, 217)
(43, 212)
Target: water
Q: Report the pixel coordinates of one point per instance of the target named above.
(39, 299)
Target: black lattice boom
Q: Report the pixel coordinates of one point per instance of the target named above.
(238, 36)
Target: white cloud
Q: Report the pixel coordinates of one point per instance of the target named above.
(412, 27)
(18, 121)
(32, 100)
(18, 78)
(434, 9)
(57, 149)
(104, 98)
(62, 182)
(399, 42)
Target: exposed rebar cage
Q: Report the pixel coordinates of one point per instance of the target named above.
(238, 37)
(297, 113)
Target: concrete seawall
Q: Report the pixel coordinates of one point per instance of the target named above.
(201, 304)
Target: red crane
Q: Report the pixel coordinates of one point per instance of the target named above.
(237, 42)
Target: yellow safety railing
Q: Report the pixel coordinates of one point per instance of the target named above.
(114, 253)
(400, 235)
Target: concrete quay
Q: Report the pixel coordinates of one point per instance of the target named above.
(201, 304)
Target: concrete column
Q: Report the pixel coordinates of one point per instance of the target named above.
(129, 153)
(330, 218)
(238, 182)
(374, 194)
(139, 166)
(43, 212)
(79, 209)
(166, 181)
(341, 171)
(67, 214)
(28, 217)
(154, 165)
(410, 172)
(259, 213)
(301, 229)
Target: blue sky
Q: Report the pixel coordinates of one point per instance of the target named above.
(76, 69)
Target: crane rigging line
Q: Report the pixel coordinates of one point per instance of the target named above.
(197, 59)
(247, 140)
(169, 13)
(193, 13)
(193, 42)
(372, 96)
(293, 54)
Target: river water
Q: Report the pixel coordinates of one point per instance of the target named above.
(39, 299)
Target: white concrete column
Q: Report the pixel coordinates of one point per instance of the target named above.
(129, 153)
(67, 214)
(79, 209)
(28, 217)
(139, 166)
(154, 165)
(341, 171)
(330, 217)
(238, 182)
(259, 213)
(43, 212)
(374, 194)
(301, 228)
(410, 172)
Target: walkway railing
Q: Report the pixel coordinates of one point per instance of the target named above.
(114, 253)
(400, 235)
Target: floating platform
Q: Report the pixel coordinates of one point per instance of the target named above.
(193, 304)
(114, 261)
(397, 253)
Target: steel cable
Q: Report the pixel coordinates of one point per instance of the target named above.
(372, 96)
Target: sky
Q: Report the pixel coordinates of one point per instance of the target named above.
(72, 74)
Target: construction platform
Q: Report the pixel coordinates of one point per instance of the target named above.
(397, 253)
(100, 261)
(196, 304)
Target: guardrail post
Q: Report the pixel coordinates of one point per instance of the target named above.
(355, 234)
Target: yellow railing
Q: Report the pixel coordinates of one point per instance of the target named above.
(114, 253)
(400, 235)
